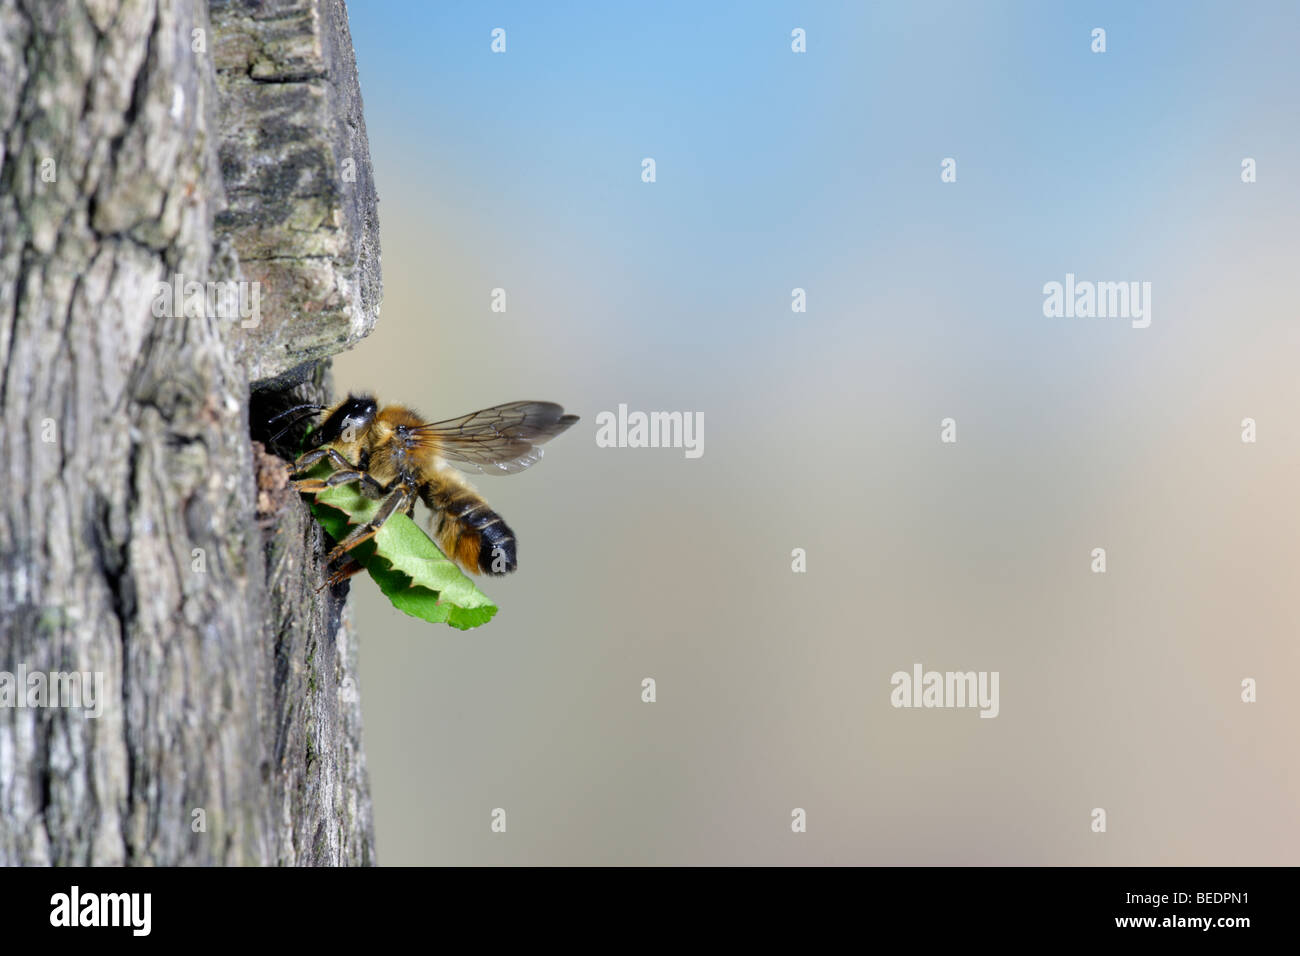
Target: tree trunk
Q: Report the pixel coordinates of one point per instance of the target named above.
(145, 541)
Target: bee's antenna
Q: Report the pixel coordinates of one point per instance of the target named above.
(296, 408)
(292, 421)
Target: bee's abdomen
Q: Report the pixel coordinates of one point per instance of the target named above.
(470, 532)
(497, 554)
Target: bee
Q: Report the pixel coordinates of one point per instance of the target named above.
(397, 457)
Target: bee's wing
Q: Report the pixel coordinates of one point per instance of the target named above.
(500, 440)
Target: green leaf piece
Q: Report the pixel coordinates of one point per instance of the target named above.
(409, 568)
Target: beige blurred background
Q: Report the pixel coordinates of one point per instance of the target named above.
(1120, 691)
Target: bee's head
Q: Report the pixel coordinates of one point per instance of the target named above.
(346, 420)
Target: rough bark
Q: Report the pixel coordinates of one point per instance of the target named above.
(143, 536)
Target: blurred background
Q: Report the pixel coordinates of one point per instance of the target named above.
(821, 171)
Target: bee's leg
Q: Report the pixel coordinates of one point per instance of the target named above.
(345, 473)
(347, 568)
(310, 458)
(359, 535)
(369, 486)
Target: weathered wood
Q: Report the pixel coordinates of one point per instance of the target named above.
(296, 165)
(130, 540)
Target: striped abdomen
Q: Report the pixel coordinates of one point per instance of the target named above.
(468, 531)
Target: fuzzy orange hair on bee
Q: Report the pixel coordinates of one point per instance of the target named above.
(393, 455)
